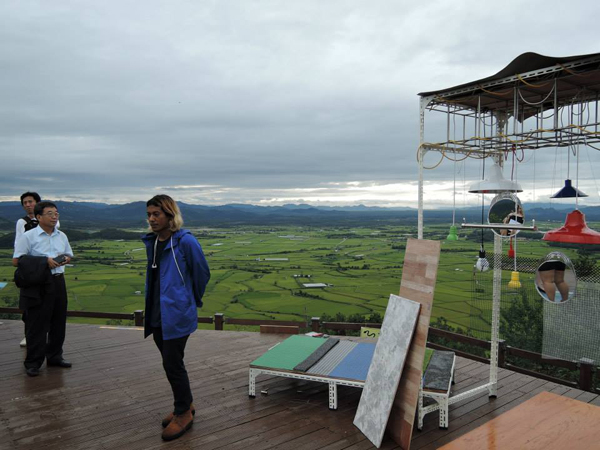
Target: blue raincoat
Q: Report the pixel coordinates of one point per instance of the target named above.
(184, 274)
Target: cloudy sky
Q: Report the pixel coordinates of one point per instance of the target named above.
(264, 102)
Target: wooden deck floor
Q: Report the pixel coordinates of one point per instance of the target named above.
(116, 394)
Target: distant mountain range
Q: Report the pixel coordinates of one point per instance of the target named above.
(102, 215)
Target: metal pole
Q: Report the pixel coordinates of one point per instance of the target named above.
(424, 101)
(596, 120)
(515, 111)
(555, 105)
(493, 388)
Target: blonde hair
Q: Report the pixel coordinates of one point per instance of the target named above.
(170, 208)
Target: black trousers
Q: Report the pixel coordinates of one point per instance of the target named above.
(172, 351)
(45, 326)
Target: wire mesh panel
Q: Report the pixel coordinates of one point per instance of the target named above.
(572, 329)
(568, 330)
(482, 292)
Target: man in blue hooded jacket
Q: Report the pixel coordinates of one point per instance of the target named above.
(176, 278)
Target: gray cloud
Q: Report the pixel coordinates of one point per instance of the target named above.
(110, 100)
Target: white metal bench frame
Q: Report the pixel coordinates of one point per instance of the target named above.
(332, 382)
(442, 401)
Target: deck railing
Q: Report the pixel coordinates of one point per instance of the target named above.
(585, 367)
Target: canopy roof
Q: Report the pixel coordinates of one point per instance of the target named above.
(577, 79)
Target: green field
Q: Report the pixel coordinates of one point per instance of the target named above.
(260, 272)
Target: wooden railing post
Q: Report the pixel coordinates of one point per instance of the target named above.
(586, 366)
(501, 352)
(138, 318)
(219, 319)
(315, 325)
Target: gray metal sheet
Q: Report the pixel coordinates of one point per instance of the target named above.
(439, 371)
(317, 355)
(386, 367)
(330, 361)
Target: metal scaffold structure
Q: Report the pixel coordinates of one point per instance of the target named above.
(534, 103)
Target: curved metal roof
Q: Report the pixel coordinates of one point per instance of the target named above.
(577, 78)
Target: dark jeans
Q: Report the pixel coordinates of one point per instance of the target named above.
(172, 351)
(45, 327)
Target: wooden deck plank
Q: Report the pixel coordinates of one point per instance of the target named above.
(504, 402)
(277, 435)
(116, 395)
(542, 422)
(586, 397)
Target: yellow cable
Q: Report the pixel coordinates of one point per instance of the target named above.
(583, 129)
(570, 71)
(432, 167)
(501, 94)
(531, 84)
(443, 149)
(445, 100)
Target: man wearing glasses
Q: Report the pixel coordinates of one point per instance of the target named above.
(28, 222)
(41, 254)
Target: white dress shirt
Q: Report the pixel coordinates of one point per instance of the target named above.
(20, 230)
(37, 242)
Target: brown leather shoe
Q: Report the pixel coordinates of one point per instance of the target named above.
(167, 420)
(178, 426)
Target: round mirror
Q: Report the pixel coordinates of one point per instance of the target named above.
(555, 278)
(506, 209)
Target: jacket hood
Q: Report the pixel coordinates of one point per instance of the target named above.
(149, 237)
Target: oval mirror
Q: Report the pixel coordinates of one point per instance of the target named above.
(555, 278)
(505, 209)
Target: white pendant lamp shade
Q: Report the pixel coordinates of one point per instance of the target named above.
(495, 183)
(482, 264)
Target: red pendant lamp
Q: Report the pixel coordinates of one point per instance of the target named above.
(511, 250)
(574, 231)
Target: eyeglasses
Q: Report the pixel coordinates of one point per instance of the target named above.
(51, 214)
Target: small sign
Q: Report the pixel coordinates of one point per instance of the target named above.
(367, 332)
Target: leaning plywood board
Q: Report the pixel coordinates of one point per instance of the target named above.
(418, 283)
(386, 367)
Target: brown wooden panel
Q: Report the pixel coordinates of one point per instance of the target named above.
(540, 358)
(279, 329)
(458, 352)
(541, 375)
(419, 275)
(459, 338)
(349, 325)
(291, 323)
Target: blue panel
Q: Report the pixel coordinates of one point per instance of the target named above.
(355, 366)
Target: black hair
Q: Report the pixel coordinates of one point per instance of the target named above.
(38, 210)
(35, 196)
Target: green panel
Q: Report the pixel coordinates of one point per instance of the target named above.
(289, 353)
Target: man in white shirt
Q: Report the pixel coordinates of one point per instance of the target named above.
(46, 319)
(26, 223)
